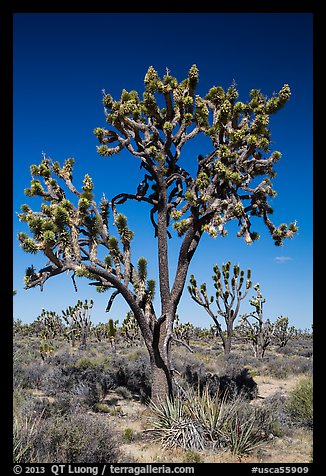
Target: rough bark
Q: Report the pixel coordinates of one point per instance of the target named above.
(160, 362)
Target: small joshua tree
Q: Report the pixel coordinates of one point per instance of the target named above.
(78, 320)
(258, 332)
(46, 349)
(228, 298)
(50, 325)
(111, 332)
(182, 333)
(99, 331)
(129, 329)
(17, 326)
(283, 332)
(231, 181)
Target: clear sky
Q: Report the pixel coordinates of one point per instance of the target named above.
(61, 64)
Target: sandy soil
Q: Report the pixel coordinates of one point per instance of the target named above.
(268, 386)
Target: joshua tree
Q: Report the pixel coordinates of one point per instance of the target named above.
(78, 320)
(46, 349)
(182, 333)
(99, 331)
(258, 332)
(50, 325)
(232, 182)
(228, 298)
(130, 329)
(283, 332)
(111, 332)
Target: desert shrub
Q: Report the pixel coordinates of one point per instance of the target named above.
(56, 380)
(134, 375)
(102, 408)
(137, 353)
(124, 393)
(192, 457)
(280, 422)
(65, 403)
(235, 362)
(79, 438)
(128, 435)
(279, 367)
(73, 386)
(63, 358)
(300, 403)
(27, 371)
(87, 393)
(31, 375)
(299, 346)
(182, 358)
(231, 386)
(28, 414)
(91, 379)
(276, 367)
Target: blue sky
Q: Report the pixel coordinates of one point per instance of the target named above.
(61, 64)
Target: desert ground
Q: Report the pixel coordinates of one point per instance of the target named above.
(93, 405)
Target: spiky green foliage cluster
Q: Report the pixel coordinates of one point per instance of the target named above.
(197, 420)
(142, 268)
(70, 231)
(125, 233)
(111, 329)
(58, 223)
(170, 113)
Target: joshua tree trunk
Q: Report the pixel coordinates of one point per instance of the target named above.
(227, 341)
(160, 365)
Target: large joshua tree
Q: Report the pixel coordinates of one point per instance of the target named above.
(232, 182)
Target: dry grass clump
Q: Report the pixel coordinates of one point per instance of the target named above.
(43, 436)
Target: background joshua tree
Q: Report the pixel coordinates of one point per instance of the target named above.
(258, 332)
(111, 332)
(78, 320)
(106, 331)
(182, 333)
(232, 182)
(50, 326)
(130, 330)
(228, 298)
(283, 332)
